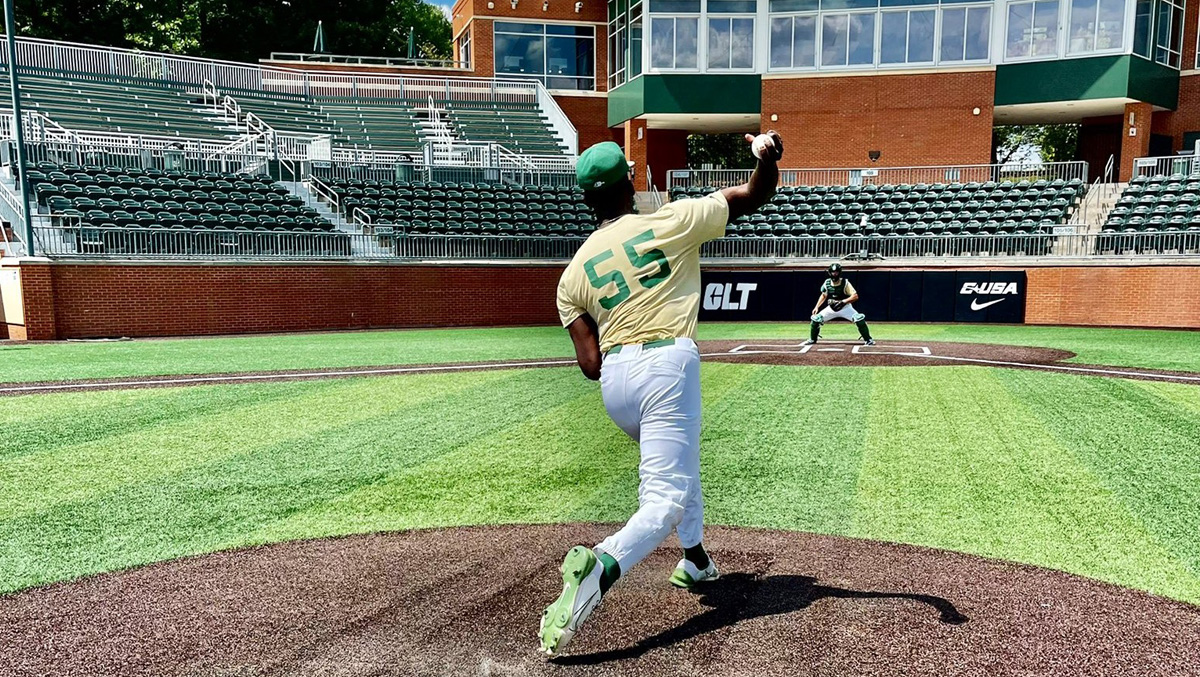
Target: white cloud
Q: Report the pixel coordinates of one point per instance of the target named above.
(446, 9)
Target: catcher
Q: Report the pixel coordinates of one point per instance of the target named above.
(841, 295)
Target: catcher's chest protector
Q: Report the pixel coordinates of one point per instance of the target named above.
(835, 292)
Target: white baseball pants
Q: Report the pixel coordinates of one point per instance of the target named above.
(846, 313)
(654, 396)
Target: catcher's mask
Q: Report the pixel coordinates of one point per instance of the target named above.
(835, 271)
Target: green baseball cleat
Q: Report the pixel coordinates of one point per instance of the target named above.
(687, 574)
(580, 596)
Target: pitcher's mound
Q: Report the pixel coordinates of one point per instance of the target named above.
(467, 601)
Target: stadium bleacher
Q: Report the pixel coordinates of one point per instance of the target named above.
(1152, 204)
(386, 124)
(437, 208)
(520, 127)
(1029, 207)
(124, 105)
(114, 198)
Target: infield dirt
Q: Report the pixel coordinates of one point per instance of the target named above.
(466, 601)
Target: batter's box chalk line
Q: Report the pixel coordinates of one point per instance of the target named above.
(800, 349)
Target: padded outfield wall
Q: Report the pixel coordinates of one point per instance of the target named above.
(61, 300)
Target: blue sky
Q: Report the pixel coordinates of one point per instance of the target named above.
(445, 7)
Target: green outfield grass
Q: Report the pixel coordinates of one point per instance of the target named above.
(83, 360)
(1099, 477)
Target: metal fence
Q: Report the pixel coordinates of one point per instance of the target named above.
(300, 57)
(66, 238)
(1166, 166)
(391, 172)
(140, 151)
(723, 178)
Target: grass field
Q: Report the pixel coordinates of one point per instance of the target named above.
(1094, 476)
(82, 360)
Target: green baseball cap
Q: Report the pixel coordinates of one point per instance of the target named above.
(601, 166)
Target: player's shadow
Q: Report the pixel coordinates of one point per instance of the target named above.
(737, 597)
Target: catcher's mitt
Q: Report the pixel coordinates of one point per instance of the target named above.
(837, 305)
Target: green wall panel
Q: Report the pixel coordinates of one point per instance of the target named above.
(691, 94)
(699, 94)
(1102, 77)
(627, 101)
(1153, 83)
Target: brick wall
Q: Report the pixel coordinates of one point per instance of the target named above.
(37, 294)
(1113, 296)
(83, 300)
(589, 114)
(913, 119)
(94, 300)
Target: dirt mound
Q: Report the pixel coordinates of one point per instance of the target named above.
(466, 602)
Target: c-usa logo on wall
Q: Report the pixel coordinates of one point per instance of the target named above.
(987, 289)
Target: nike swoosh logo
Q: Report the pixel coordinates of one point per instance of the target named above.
(976, 305)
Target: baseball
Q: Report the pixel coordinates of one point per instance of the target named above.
(761, 145)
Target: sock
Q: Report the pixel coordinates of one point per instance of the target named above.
(862, 329)
(612, 571)
(815, 331)
(696, 555)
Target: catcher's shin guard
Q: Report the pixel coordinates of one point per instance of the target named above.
(863, 330)
(814, 330)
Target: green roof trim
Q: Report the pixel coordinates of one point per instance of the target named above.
(700, 94)
(1102, 77)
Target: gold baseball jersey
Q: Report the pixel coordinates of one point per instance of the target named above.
(639, 276)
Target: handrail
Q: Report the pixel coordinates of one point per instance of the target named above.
(367, 60)
(316, 185)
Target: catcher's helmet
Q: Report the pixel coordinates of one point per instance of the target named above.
(835, 270)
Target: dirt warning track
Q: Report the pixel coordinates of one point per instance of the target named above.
(466, 602)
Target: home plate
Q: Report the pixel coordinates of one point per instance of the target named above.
(829, 350)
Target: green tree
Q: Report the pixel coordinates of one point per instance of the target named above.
(723, 151)
(241, 31)
(1053, 143)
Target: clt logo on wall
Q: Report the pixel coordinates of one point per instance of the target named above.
(728, 296)
(988, 289)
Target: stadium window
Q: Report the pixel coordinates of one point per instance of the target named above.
(464, 47)
(673, 42)
(1032, 29)
(730, 43)
(1096, 26)
(794, 42)
(965, 34)
(848, 39)
(1168, 32)
(635, 41)
(906, 36)
(561, 56)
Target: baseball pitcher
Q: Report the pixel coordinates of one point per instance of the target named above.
(840, 295)
(629, 299)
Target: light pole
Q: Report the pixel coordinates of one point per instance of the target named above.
(18, 131)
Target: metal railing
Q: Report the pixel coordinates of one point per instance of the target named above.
(68, 241)
(64, 238)
(1166, 166)
(146, 152)
(368, 60)
(723, 178)
(410, 171)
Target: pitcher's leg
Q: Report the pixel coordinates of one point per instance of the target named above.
(691, 528)
(670, 435)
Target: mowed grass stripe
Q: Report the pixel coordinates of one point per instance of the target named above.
(615, 499)
(784, 451)
(151, 455)
(225, 502)
(955, 460)
(36, 424)
(1141, 439)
